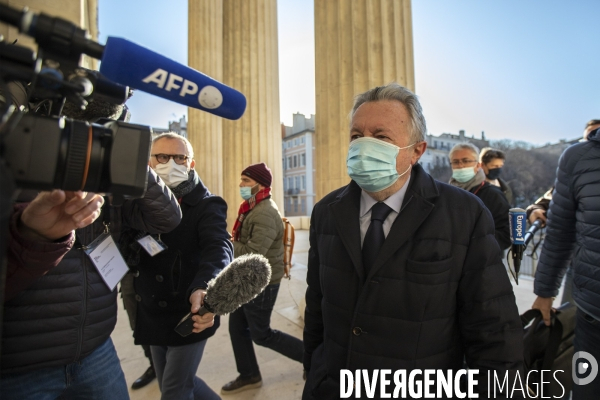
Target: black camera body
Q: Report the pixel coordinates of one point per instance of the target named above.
(45, 153)
(40, 149)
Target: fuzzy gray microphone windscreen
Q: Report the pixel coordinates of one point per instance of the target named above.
(237, 284)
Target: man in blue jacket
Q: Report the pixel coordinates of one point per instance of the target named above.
(573, 237)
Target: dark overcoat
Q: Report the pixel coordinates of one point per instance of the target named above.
(438, 294)
(197, 250)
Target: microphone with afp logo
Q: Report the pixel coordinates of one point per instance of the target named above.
(133, 65)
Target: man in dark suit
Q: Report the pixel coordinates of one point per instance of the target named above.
(404, 272)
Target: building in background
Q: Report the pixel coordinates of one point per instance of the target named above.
(438, 148)
(298, 154)
(179, 127)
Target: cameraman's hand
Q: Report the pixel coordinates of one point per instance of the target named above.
(201, 322)
(538, 214)
(53, 215)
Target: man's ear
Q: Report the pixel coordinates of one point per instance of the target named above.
(192, 164)
(418, 151)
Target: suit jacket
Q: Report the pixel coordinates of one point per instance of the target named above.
(437, 295)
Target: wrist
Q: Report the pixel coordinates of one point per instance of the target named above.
(31, 234)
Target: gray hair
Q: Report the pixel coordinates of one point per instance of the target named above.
(465, 146)
(394, 91)
(173, 135)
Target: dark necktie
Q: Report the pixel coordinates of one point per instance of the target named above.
(374, 237)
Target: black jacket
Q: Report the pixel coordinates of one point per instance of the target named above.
(437, 294)
(496, 202)
(573, 227)
(198, 249)
(64, 315)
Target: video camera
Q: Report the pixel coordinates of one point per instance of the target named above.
(41, 149)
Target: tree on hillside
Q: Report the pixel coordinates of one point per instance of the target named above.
(529, 172)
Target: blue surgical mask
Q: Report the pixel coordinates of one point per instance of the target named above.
(372, 163)
(463, 174)
(246, 192)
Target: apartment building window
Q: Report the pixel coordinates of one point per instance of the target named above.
(298, 182)
(303, 206)
(296, 205)
(302, 140)
(295, 161)
(289, 162)
(303, 182)
(437, 160)
(295, 142)
(284, 184)
(303, 159)
(283, 162)
(290, 183)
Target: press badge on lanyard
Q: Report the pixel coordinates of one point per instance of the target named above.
(107, 259)
(151, 245)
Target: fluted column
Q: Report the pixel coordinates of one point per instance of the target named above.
(205, 53)
(359, 44)
(250, 65)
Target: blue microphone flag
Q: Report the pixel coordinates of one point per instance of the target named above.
(132, 65)
(517, 218)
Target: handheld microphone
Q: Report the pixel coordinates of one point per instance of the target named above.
(238, 283)
(532, 231)
(517, 218)
(140, 68)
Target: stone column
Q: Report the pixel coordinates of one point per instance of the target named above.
(359, 44)
(205, 53)
(250, 65)
(83, 13)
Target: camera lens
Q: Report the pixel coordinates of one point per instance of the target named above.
(45, 153)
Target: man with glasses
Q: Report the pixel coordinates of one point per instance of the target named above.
(171, 275)
(404, 272)
(468, 174)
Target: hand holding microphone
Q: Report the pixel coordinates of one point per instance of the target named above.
(237, 284)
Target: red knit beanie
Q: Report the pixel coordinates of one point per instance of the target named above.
(260, 173)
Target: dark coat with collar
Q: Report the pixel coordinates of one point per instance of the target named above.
(437, 294)
(573, 233)
(198, 249)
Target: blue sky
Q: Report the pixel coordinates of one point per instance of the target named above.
(516, 69)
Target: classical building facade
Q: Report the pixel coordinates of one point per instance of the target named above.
(438, 148)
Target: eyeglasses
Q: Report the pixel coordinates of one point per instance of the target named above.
(164, 158)
(464, 161)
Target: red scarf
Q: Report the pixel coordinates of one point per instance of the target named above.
(245, 208)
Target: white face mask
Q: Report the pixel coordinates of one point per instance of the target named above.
(171, 173)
